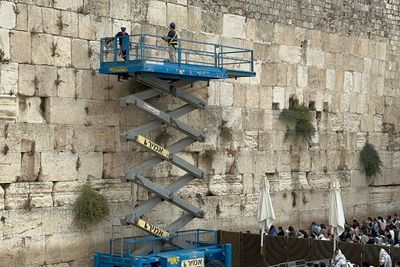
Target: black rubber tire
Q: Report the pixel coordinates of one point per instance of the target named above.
(214, 263)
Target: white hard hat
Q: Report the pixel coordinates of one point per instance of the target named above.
(123, 26)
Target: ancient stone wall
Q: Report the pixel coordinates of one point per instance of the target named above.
(60, 121)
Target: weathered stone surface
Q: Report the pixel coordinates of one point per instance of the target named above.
(90, 165)
(7, 15)
(290, 54)
(178, 14)
(68, 24)
(35, 19)
(56, 111)
(21, 47)
(234, 26)
(315, 57)
(51, 21)
(43, 44)
(68, 5)
(80, 54)
(5, 43)
(62, 53)
(9, 78)
(30, 110)
(157, 13)
(46, 79)
(8, 108)
(66, 82)
(59, 166)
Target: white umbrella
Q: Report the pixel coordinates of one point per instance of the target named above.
(336, 214)
(265, 212)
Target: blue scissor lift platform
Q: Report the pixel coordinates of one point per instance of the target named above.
(163, 70)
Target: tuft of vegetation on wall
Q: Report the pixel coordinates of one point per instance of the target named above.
(370, 160)
(90, 208)
(298, 116)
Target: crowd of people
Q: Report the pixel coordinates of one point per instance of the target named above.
(378, 231)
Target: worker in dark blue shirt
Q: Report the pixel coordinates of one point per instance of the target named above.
(172, 40)
(123, 41)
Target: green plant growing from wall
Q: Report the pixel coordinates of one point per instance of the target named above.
(90, 208)
(298, 116)
(370, 160)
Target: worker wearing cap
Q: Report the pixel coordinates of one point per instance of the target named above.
(172, 40)
(123, 41)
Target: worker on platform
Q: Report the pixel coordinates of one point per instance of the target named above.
(123, 42)
(172, 40)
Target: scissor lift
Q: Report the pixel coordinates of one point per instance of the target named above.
(146, 61)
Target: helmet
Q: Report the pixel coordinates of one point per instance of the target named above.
(172, 25)
(123, 26)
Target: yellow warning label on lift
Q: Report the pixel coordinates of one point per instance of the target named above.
(118, 69)
(151, 228)
(152, 146)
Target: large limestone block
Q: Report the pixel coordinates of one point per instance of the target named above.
(43, 44)
(348, 82)
(380, 50)
(316, 78)
(194, 21)
(56, 111)
(84, 79)
(103, 27)
(51, 21)
(59, 166)
(86, 27)
(315, 57)
(121, 10)
(103, 112)
(46, 77)
(226, 94)
(234, 26)
(72, 5)
(98, 7)
(10, 165)
(178, 14)
(61, 247)
(157, 13)
(18, 196)
(69, 22)
(113, 189)
(5, 43)
(66, 86)
(26, 80)
(278, 97)
(83, 140)
(21, 47)
(7, 15)
(90, 165)
(302, 76)
(9, 78)
(290, 54)
(35, 19)
(212, 22)
(22, 17)
(253, 119)
(105, 138)
(226, 184)
(41, 194)
(352, 122)
(94, 48)
(42, 134)
(30, 110)
(8, 108)
(62, 55)
(80, 54)
(274, 75)
(65, 193)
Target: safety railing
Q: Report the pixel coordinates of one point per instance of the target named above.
(127, 50)
(124, 246)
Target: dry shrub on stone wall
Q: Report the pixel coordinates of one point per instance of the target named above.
(301, 125)
(370, 160)
(90, 208)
